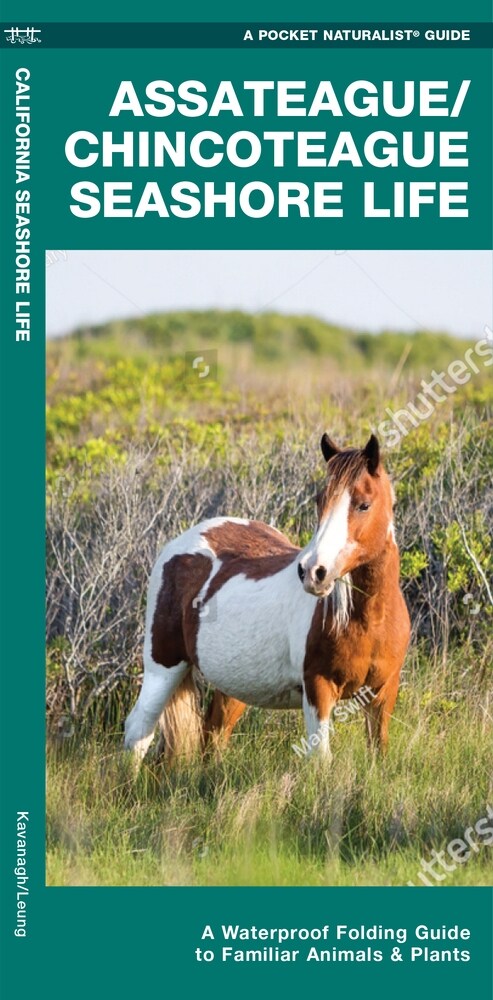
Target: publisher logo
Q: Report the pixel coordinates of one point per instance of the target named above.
(25, 36)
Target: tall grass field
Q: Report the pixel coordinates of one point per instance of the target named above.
(139, 448)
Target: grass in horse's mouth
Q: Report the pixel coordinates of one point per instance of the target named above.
(349, 583)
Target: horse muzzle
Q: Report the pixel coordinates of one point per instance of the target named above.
(316, 580)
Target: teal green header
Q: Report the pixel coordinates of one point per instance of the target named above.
(250, 34)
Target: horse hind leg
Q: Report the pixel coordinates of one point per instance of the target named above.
(221, 718)
(158, 687)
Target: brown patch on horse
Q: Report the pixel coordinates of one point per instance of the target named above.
(253, 540)
(254, 550)
(176, 620)
(371, 649)
(340, 659)
(221, 718)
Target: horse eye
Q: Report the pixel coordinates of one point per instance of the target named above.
(363, 506)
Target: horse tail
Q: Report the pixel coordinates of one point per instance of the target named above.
(181, 721)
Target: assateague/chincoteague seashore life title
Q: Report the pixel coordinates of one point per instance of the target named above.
(318, 150)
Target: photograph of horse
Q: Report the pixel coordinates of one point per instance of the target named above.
(274, 626)
(268, 647)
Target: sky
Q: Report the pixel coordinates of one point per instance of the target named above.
(363, 289)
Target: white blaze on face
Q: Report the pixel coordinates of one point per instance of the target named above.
(331, 536)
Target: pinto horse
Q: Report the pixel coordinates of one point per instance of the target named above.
(269, 624)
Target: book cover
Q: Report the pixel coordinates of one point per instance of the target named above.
(246, 451)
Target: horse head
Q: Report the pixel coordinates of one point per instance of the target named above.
(354, 521)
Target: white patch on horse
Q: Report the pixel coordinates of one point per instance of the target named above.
(207, 610)
(317, 730)
(253, 646)
(330, 538)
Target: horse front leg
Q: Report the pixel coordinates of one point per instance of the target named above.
(221, 718)
(378, 714)
(319, 697)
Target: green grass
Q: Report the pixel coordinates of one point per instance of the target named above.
(260, 815)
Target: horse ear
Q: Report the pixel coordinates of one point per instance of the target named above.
(372, 455)
(329, 449)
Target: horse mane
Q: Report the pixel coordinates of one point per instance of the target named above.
(345, 468)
